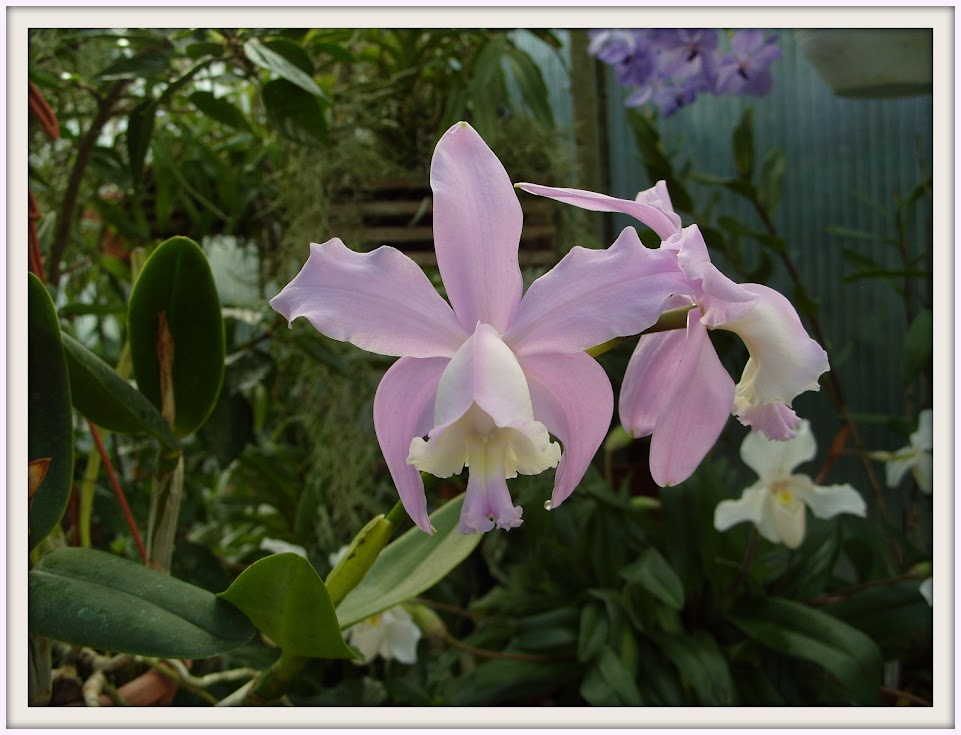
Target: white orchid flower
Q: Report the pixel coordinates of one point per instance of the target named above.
(915, 457)
(776, 502)
(391, 634)
(279, 546)
(927, 590)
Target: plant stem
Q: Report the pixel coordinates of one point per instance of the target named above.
(118, 491)
(670, 319)
(502, 655)
(61, 235)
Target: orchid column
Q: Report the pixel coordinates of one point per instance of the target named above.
(483, 382)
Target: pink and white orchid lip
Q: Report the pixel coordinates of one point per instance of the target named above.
(484, 419)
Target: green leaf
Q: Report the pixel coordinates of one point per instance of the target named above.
(292, 52)
(96, 599)
(358, 558)
(176, 281)
(49, 416)
(287, 601)
(139, 131)
(702, 665)
(531, 83)
(219, 109)
(297, 115)
(108, 400)
(495, 682)
(609, 683)
(771, 182)
(593, 632)
(793, 629)
(412, 564)
(145, 65)
(273, 62)
(652, 572)
(204, 48)
(743, 142)
(919, 345)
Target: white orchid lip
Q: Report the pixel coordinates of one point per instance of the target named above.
(484, 420)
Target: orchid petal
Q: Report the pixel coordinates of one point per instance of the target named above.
(698, 405)
(592, 296)
(572, 396)
(923, 473)
(404, 409)
(379, 301)
(789, 519)
(721, 299)
(927, 590)
(488, 503)
(897, 466)
(827, 501)
(923, 438)
(749, 507)
(663, 223)
(784, 360)
(774, 420)
(648, 380)
(477, 228)
(774, 460)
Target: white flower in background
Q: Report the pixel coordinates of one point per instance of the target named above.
(775, 503)
(915, 457)
(391, 634)
(276, 546)
(927, 590)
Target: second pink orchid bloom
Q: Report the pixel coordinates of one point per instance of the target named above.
(484, 382)
(675, 387)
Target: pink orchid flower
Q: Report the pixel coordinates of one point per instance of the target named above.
(484, 384)
(675, 387)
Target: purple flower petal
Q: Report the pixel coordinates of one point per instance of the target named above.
(572, 396)
(648, 214)
(403, 410)
(379, 301)
(592, 296)
(477, 228)
(698, 405)
(648, 380)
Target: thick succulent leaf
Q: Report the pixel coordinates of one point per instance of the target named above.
(108, 400)
(287, 601)
(49, 424)
(412, 564)
(176, 281)
(96, 599)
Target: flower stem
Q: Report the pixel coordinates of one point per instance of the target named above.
(670, 319)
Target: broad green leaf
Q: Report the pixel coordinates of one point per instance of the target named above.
(49, 416)
(794, 629)
(592, 632)
(204, 48)
(296, 114)
(273, 62)
(894, 615)
(701, 663)
(652, 572)
(918, 345)
(108, 400)
(136, 67)
(139, 132)
(292, 52)
(496, 682)
(358, 558)
(96, 599)
(743, 143)
(219, 109)
(412, 564)
(176, 281)
(287, 601)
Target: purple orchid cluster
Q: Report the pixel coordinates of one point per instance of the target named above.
(669, 67)
(500, 381)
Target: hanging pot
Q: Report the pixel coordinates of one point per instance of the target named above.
(871, 62)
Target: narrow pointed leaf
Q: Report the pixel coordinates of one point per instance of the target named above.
(108, 400)
(702, 665)
(297, 115)
(652, 572)
(96, 599)
(412, 564)
(275, 63)
(49, 424)
(220, 110)
(287, 601)
(794, 629)
(176, 281)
